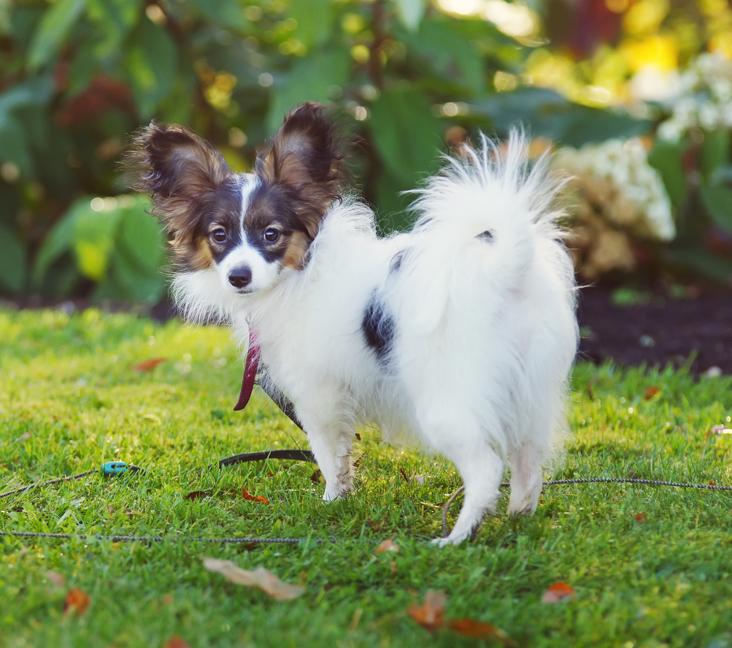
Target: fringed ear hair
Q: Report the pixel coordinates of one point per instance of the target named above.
(179, 170)
(305, 159)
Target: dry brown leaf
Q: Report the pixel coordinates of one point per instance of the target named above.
(77, 601)
(479, 630)
(259, 577)
(387, 546)
(651, 392)
(176, 642)
(148, 365)
(558, 592)
(431, 614)
(55, 578)
(196, 495)
(253, 498)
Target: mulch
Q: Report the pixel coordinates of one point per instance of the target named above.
(695, 330)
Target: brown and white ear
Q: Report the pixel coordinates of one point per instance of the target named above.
(305, 158)
(178, 169)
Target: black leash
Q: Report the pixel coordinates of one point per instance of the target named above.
(304, 455)
(152, 539)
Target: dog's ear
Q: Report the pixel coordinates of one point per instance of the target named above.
(179, 170)
(305, 159)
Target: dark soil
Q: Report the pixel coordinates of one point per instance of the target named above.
(659, 330)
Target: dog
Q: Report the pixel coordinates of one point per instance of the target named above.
(459, 335)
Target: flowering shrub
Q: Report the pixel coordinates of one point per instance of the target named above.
(703, 98)
(617, 197)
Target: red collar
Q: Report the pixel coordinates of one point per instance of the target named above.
(250, 372)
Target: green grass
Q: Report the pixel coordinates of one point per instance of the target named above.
(70, 400)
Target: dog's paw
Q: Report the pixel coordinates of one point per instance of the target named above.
(330, 495)
(450, 540)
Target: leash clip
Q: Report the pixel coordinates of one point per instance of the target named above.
(114, 468)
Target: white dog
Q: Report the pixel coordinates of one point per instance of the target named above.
(460, 334)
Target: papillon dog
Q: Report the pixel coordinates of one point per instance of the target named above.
(459, 335)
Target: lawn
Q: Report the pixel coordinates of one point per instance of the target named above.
(650, 566)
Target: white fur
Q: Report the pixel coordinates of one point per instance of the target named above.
(485, 330)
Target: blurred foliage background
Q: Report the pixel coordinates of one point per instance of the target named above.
(634, 95)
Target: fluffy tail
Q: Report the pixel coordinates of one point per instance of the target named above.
(491, 194)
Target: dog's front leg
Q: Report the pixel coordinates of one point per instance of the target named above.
(331, 438)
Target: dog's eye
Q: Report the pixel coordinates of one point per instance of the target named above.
(219, 235)
(271, 234)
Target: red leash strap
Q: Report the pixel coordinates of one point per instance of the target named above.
(250, 372)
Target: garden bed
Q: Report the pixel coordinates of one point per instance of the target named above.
(653, 329)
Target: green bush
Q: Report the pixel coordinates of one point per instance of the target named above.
(79, 76)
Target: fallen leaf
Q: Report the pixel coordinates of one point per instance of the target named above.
(176, 642)
(387, 545)
(253, 498)
(431, 614)
(77, 601)
(479, 630)
(651, 392)
(196, 495)
(640, 518)
(148, 365)
(55, 578)
(558, 592)
(259, 577)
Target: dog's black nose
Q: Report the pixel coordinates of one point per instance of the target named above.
(240, 277)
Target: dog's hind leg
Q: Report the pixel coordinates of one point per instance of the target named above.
(460, 439)
(526, 478)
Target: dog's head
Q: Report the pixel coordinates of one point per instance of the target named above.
(248, 227)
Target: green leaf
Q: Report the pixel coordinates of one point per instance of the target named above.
(455, 60)
(410, 12)
(715, 152)
(406, 134)
(717, 200)
(53, 29)
(314, 20)
(13, 145)
(151, 66)
(392, 204)
(701, 262)
(140, 236)
(226, 13)
(132, 283)
(547, 113)
(59, 240)
(113, 19)
(315, 78)
(667, 158)
(13, 270)
(94, 236)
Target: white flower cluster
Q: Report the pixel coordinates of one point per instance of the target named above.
(618, 181)
(619, 198)
(703, 99)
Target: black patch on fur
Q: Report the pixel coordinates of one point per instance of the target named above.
(486, 236)
(377, 327)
